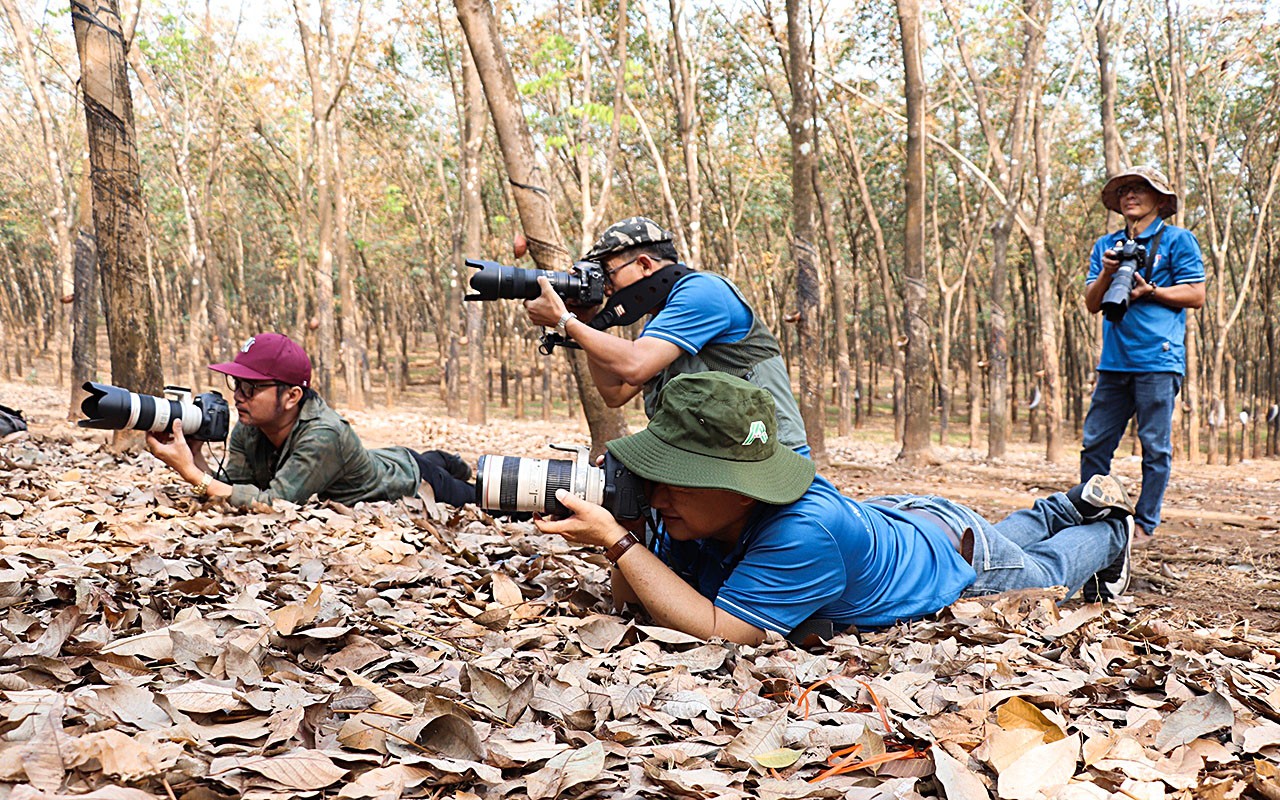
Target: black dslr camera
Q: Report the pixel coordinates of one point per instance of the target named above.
(583, 285)
(205, 418)
(511, 483)
(1115, 302)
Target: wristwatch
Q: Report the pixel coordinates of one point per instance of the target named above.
(564, 321)
(619, 547)
(202, 488)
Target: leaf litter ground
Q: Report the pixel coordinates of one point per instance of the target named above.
(152, 647)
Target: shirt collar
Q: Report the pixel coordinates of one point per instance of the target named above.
(1152, 229)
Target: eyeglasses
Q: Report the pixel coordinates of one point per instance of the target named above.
(247, 389)
(1132, 188)
(608, 273)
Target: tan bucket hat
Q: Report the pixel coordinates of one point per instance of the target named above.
(1154, 178)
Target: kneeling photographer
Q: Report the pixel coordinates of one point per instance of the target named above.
(290, 445)
(698, 321)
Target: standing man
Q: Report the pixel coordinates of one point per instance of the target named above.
(700, 322)
(1143, 353)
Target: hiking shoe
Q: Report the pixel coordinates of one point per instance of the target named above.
(1100, 497)
(455, 466)
(1112, 581)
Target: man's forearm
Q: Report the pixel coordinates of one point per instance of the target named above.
(621, 367)
(615, 391)
(194, 474)
(675, 604)
(611, 355)
(1184, 295)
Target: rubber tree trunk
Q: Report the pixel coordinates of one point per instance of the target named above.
(532, 200)
(473, 229)
(919, 395)
(117, 201)
(804, 175)
(85, 304)
(1107, 108)
(60, 208)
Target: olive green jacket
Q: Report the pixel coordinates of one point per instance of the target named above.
(322, 456)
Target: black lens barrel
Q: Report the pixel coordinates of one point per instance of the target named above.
(494, 281)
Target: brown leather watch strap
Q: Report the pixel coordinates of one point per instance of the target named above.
(619, 547)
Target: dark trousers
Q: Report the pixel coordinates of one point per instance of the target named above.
(448, 489)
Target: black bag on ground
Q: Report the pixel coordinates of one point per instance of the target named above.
(11, 421)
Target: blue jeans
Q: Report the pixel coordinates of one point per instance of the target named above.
(1116, 398)
(1045, 545)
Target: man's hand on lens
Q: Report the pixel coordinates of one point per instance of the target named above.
(547, 308)
(171, 448)
(590, 524)
(1141, 288)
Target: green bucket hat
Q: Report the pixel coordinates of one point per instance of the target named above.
(714, 431)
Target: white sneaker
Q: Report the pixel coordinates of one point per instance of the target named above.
(1112, 581)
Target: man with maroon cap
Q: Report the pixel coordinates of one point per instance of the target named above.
(289, 445)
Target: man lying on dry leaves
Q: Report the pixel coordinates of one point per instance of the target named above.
(290, 445)
(754, 541)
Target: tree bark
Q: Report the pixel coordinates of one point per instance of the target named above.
(60, 211)
(919, 396)
(844, 390)
(326, 91)
(1046, 296)
(1010, 168)
(1107, 90)
(473, 129)
(117, 202)
(84, 310)
(804, 177)
(354, 356)
(533, 201)
(684, 80)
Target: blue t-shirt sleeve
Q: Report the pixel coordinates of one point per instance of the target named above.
(790, 571)
(701, 310)
(1187, 261)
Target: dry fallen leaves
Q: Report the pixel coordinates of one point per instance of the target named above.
(153, 648)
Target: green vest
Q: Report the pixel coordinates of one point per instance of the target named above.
(756, 358)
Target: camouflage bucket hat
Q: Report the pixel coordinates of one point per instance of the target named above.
(1154, 178)
(630, 232)
(714, 431)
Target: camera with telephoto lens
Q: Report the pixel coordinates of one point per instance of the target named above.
(1115, 302)
(205, 418)
(583, 285)
(511, 483)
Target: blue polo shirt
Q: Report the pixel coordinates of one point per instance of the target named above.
(700, 310)
(1151, 336)
(828, 557)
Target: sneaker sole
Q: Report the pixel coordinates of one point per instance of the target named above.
(1105, 491)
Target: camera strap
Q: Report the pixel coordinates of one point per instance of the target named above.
(1153, 252)
(628, 305)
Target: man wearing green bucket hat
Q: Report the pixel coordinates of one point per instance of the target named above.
(754, 541)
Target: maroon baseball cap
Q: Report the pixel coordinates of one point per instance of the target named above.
(269, 357)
